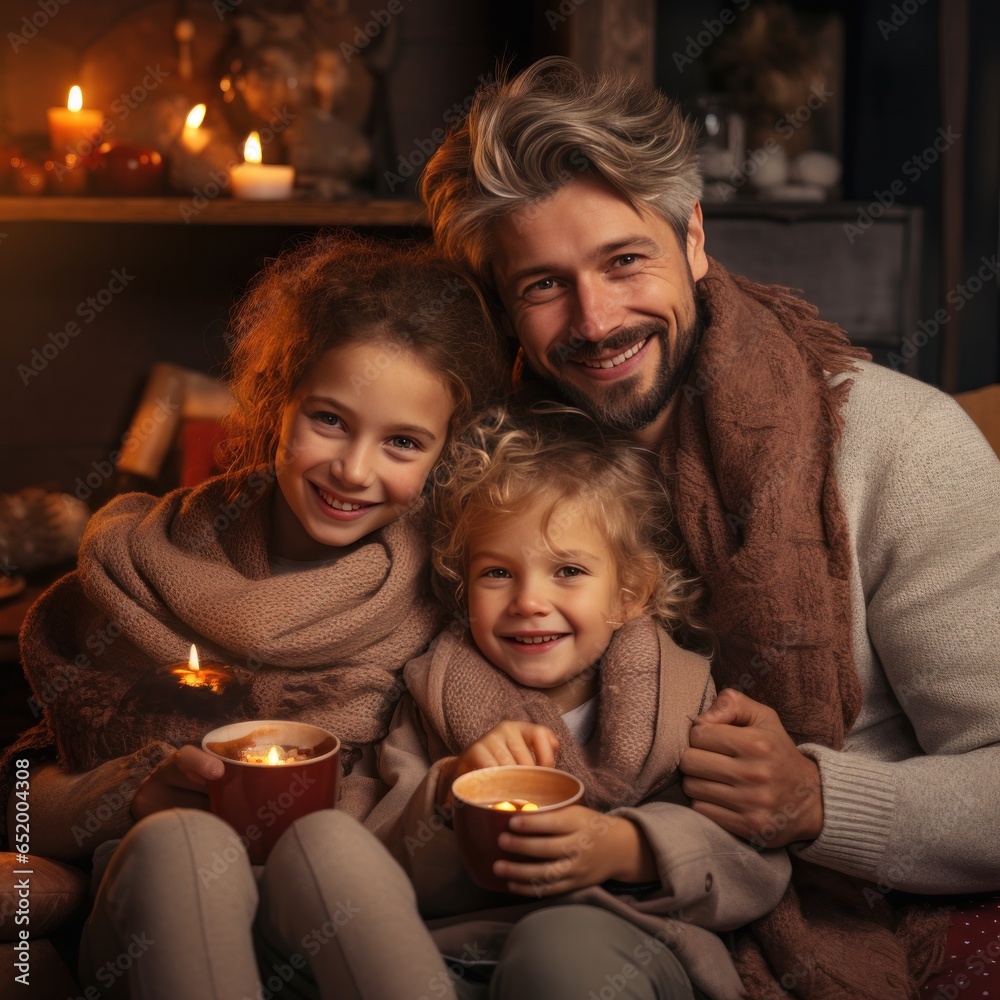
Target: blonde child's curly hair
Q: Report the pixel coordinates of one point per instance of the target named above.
(505, 463)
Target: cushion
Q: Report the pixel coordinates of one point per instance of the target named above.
(54, 891)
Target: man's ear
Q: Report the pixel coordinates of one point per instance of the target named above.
(697, 259)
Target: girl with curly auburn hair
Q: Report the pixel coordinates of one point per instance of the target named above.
(305, 571)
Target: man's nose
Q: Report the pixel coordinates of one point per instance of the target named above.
(598, 310)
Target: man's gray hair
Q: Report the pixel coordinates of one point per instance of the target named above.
(525, 138)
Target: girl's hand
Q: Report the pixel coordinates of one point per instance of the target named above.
(510, 743)
(180, 781)
(575, 847)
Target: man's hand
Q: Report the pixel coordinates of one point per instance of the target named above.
(575, 847)
(180, 781)
(743, 771)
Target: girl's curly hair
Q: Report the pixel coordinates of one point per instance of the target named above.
(341, 288)
(506, 462)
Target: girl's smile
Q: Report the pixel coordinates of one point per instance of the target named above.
(543, 598)
(358, 442)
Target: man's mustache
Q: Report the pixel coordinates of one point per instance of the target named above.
(615, 343)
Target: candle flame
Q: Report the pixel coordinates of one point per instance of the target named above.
(517, 805)
(196, 116)
(75, 101)
(273, 756)
(251, 148)
(193, 659)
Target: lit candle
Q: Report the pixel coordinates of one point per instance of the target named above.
(75, 129)
(515, 805)
(216, 677)
(275, 756)
(257, 181)
(194, 138)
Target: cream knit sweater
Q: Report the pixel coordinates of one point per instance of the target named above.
(912, 801)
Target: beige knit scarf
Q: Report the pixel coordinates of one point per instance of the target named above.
(649, 687)
(760, 513)
(156, 575)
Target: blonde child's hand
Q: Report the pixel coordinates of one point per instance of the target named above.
(575, 847)
(180, 781)
(506, 743)
(510, 743)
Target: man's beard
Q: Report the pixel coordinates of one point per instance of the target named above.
(621, 406)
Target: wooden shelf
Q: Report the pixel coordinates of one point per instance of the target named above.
(218, 211)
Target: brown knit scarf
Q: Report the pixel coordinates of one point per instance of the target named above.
(156, 575)
(649, 688)
(760, 512)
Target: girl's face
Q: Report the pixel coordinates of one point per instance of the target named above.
(358, 442)
(543, 603)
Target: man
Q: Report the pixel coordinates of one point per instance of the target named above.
(842, 516)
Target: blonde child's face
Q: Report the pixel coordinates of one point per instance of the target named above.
(543, 604)
(358, 442)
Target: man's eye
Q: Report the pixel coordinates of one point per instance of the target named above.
(539, 291)
(627, 259)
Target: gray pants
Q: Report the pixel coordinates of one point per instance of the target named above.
(180, 914)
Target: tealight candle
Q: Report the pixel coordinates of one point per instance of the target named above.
(210, 689)
(274, 772)
(212, 675)
(254, 180)
(75, 129)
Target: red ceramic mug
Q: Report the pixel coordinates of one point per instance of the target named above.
(478, 822)
(260, 800)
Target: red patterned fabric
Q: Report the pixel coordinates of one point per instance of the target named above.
(972, 966)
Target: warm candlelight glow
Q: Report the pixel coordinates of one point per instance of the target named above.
(196, 116)
(214, 678)
(515, 805)
(75, 102)
(251, 149)
(273, 757)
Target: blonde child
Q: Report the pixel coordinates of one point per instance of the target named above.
(354, 362)
(556, 547)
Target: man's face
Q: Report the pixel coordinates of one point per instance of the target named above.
(602, 300)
